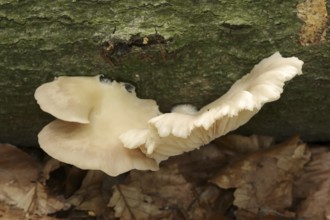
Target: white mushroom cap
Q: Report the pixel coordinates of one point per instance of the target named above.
(69, 98)
(93, 115)
(174, 133)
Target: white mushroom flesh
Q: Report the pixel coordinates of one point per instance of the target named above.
(174, 133)
(93, 115)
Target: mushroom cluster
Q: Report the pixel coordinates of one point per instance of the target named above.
(103, 125)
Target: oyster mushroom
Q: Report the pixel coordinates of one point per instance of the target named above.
(178, 132)
(92, 113)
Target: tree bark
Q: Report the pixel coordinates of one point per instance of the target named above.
(172, 51)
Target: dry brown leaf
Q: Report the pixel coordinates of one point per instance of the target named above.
(48, 167)
(12, 213)
(317, 204)
(165, 190)
(19, 183)
(18, 172)
(313, 187)
(132, 203)
(180, 188)
(90, 196)
(262, 175)
(88, 190)
(164, 194)
(63, 179)
(245, 215)
(44, 203)
(199, 165)
(172, 192)
(263, 179)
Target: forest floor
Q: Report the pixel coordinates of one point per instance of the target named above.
(234, 177)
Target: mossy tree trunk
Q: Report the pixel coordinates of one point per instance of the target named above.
(172, 51)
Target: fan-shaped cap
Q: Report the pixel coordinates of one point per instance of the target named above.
(92, 115)
(69, 98)
(174, 133)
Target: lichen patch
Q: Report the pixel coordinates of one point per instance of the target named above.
(315, 17)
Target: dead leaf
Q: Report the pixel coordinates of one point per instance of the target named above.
(257, 178)
(263, 179)
(313, 187)
(164, 194)
(264, 215)
(19, 183)
(62, 178)
(44, 203)
(18, 174)
(179, 189)
(9, 212)
(199, 165)
(90, 197)
(89, 190)
(132, 203)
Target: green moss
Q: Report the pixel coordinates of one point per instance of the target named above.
(213, 43)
